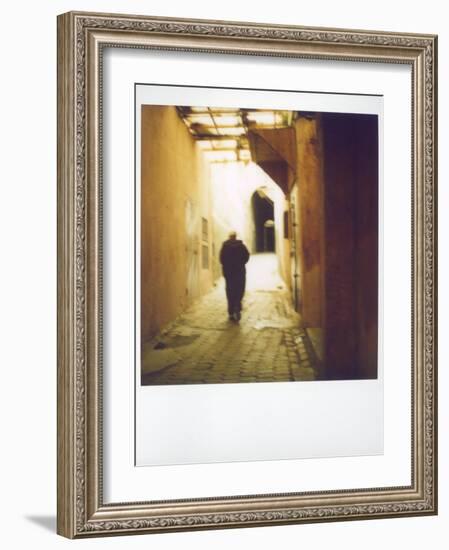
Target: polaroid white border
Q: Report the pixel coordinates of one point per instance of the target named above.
(245, 422)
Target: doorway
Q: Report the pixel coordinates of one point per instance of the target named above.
(264, 224)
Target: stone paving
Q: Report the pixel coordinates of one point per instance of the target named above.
(203, 347)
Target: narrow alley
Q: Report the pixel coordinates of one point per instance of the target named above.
(300, 190)
(202, 346)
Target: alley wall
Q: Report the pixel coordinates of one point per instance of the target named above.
(175, 227)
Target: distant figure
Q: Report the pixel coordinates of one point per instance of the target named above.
(233, 257)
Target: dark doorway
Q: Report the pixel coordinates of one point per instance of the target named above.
(263, 212)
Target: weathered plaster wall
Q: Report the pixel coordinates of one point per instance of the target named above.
(310, 218)
(231, 189)
(350, 160)
(174, 197)
(295, 249)
(287, 253)
(367, 243)
(336, 204)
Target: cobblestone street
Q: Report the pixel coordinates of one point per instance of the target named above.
(203, 347)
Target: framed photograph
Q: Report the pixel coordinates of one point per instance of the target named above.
(247, 322)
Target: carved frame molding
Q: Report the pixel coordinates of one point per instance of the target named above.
(81, 39)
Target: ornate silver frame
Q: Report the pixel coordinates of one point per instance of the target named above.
(81, 511)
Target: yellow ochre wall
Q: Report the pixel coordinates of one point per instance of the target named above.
(175, 196)
(311, 219)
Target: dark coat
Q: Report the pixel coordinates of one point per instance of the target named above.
(233, 257)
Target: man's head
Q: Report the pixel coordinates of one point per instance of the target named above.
(233, 235)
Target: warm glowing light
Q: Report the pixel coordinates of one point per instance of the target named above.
(235, 131)
(221, 156)
(227, 120)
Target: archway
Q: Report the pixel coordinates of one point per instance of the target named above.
(264, 226)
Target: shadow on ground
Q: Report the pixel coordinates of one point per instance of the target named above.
(46, 522)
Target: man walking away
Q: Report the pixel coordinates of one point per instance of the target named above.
(233, 257)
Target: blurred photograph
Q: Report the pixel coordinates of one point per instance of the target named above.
(259, 245)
